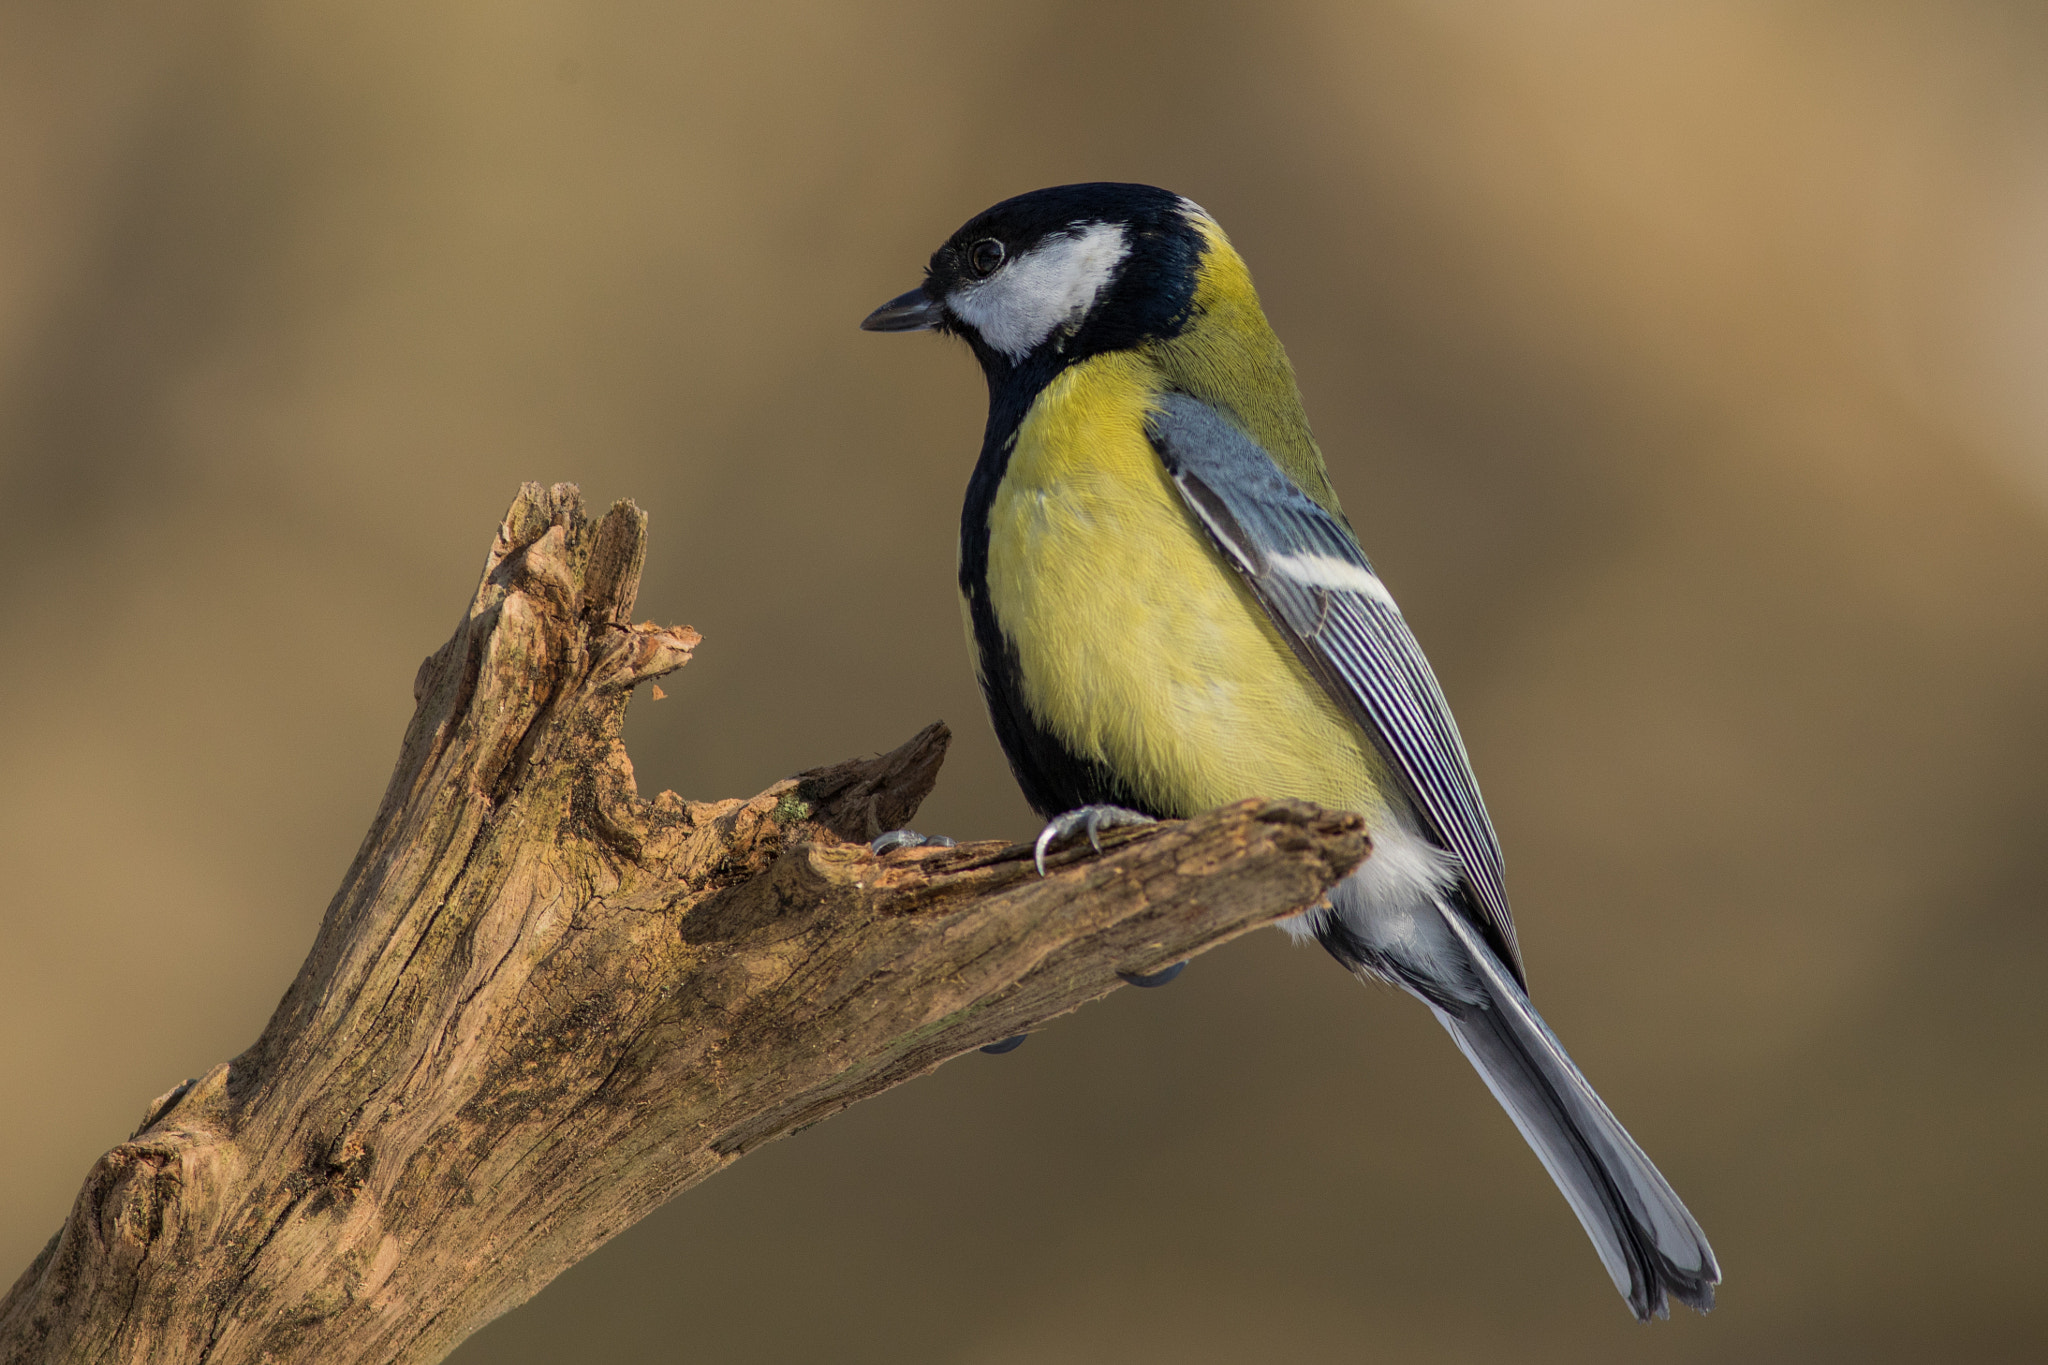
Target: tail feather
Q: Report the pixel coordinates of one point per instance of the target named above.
(1649, 1243)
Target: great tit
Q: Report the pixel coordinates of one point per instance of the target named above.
(1168, 611)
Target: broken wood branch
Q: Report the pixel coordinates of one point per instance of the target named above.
(540, 1005)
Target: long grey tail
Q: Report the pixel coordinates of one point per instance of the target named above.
(1647, 1240)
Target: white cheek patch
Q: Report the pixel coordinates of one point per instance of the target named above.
(1322, 571)
(1048, 287)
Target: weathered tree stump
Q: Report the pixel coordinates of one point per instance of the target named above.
(539, 1005)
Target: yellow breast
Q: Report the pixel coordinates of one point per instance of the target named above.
(1139, 646)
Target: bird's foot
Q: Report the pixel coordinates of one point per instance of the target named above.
(1158, 978)
(907, 838)
(1010, 1044)
(1089, 820)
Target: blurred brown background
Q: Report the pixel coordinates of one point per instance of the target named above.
(1681, 364)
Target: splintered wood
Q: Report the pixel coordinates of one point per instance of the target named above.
(541, 1005)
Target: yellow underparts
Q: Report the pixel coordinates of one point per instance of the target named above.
(1139, 646)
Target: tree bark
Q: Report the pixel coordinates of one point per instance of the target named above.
(539, 1005)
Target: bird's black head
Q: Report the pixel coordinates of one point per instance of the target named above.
(1054, 276)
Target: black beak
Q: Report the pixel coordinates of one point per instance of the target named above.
(912, 312)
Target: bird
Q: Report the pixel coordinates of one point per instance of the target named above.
(1168, 611)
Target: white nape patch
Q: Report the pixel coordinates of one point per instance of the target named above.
(1323, 571)
(1052, 285)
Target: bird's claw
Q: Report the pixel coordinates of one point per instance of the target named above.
(1010, 1044)
(1158, 978)
(907, 838)
(1091, 820)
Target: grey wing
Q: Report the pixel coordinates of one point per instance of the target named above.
(1306, 568)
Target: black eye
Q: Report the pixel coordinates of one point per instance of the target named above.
(984, 256)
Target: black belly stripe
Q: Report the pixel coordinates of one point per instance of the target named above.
(1053, 777)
